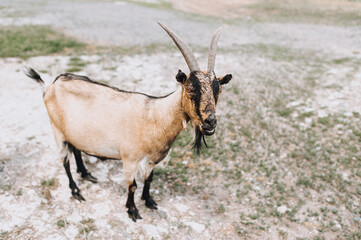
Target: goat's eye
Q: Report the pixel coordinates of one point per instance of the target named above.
(191, 93)
(189, 90)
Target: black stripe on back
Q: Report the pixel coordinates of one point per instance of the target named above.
(71, 76)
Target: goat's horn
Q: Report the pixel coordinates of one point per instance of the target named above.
(184, 48)
(212, 51)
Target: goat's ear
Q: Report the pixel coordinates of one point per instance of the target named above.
(225, 79)
(181, 76)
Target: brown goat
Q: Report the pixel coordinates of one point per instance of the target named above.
(104, 121)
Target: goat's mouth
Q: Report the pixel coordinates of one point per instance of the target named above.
(208, 132)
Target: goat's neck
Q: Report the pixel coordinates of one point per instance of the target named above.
(170, 114)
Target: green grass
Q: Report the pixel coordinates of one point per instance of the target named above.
(61, 223)
(76, 64)
(87, 226)
(48, 183)
(29, 41)
(19, 192)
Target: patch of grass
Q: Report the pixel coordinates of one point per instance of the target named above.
(61, 223)
(255, 216)
(19, 192)
(221, 209)
(341, 60)
(286, 112)
(87, 226)
(48, 183)
(304, 181)
(304, 115)
(325, 121)
(29, 41)
(74, 69)
(47, 186)
(246, 133)
(76, 64)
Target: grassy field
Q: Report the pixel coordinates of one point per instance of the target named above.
(29, 41)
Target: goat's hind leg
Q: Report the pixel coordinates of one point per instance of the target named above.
(65, 154)
(65, 151)
(80, 166)
(149, 202)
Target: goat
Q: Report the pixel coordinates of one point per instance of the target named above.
(110, 123)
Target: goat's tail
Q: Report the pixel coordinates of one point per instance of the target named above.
(31, 73)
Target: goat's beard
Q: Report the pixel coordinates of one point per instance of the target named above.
(199, 136)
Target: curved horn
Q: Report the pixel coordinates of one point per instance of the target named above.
(212, 51)
(184, 48)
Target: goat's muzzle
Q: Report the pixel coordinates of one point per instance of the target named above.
(210, 124)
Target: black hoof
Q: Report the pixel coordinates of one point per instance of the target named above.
(134, 214)
(90, 178)
(76, 194)
(151, 204)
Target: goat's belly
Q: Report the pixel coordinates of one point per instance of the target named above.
(98, 150)
(95, 143)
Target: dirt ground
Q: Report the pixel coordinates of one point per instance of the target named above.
(285, 162)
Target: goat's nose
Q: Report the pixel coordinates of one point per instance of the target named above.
(211, 120)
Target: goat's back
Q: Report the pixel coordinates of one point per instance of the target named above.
(96, 119)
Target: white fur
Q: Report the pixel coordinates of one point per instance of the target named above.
(145, 167)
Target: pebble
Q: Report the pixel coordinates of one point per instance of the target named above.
(322, 113)
(162, 214)
(282, 209)
(1, 168)
(308, 120)
(92, 160)
(329, 200)
(337, 225)
(181, 207)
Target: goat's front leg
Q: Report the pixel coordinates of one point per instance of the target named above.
(149, 202)
(132, 209)
(130, 169)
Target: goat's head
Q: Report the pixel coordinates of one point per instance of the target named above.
(201, 89)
